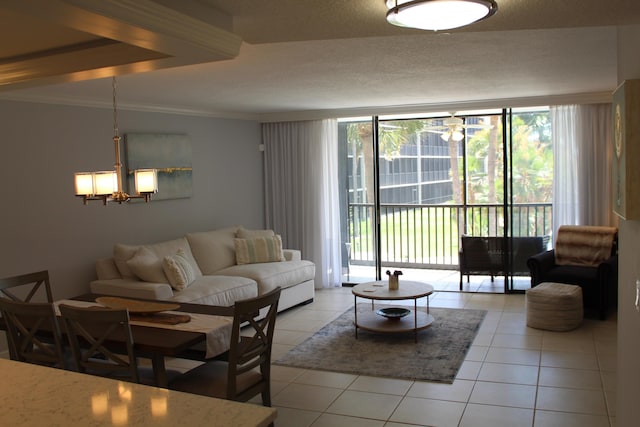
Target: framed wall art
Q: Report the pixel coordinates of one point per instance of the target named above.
(170, 154)
(626, 158)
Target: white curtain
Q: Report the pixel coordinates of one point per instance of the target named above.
(301, 192)
(582, 155)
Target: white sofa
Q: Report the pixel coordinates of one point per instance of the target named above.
(204, 268)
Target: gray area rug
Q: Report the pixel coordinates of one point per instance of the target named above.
(436, 357)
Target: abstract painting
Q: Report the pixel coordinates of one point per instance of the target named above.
(170, 154)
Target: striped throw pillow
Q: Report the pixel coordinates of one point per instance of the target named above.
(260, 249)
(178, 270)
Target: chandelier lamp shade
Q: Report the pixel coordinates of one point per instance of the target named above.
(107, 185)
(438, 14)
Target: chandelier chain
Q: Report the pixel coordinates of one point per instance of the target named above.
(115, 109)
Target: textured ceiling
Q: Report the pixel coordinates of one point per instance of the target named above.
(306, 58)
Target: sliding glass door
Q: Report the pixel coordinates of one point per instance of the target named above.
(414, 186)
(360, 233)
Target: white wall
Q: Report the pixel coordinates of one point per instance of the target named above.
(629, 267)
(44, 226)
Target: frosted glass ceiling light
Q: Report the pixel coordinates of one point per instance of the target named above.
(438, 14)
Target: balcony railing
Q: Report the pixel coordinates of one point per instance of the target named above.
(427, 236)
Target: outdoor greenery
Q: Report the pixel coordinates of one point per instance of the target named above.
(430, 234)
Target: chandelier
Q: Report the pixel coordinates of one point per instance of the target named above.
(438, 14)
(107, 185)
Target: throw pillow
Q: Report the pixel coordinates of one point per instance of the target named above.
(178, 270)
(121, 254)
(261, 249)
(147, 266)
(243, 233)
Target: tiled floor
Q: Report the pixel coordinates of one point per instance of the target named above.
(512, 376)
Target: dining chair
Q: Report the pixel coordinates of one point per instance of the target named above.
(31, 283)
(247, 370)
(33, 333)
(89, 330)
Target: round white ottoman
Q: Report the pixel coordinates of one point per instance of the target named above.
(554, 306)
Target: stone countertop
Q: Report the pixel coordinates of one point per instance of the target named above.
(32, 395)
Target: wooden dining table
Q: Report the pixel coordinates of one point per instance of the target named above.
(160, 342)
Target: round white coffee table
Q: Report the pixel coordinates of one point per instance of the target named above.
(379, 290)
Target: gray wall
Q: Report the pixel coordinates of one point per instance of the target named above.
(44, 226)
(629, 266)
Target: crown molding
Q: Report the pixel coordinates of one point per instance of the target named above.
(536, 101)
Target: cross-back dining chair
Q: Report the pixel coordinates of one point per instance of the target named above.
(247, 370)
(26, 322)
(31, 283)
(89, 330)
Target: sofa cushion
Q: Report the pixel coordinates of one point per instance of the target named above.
(106, 269)
(121, 254)
(269, 275)
(213, 250)
(217, 290)
(171, 247)
(260, 249)
(243, 233)
(147, 266)
(178, 270)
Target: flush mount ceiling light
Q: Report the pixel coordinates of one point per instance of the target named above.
(438, 14)
(107, 185)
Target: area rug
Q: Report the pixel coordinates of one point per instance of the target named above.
(437, 356)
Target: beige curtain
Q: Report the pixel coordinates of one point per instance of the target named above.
(301, 192)
(583, 154)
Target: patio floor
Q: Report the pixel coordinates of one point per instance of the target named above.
(442, 280)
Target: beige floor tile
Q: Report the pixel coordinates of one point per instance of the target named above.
(524, 342)
(516, 395)
(285, 373)
(428, 412)
(571, 400)
(469, 370)
(496, 416)
(459, 391)
(293, 338)
(333, 420)
(509, 373)
(608, 362)
(365, 405)
(289, 417)
(576, 374)
(306, 397)
(513, 355)
(568, 343)
(519, 328)
(302, 325)
(390, 424)
(513, 316)
(477, 353)
(276, 387)
(279, 350)
(563, 419)
(483, 339)
(563, 359)
(448, 304)
(381, 385)
(570, 378)
(326, 379)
